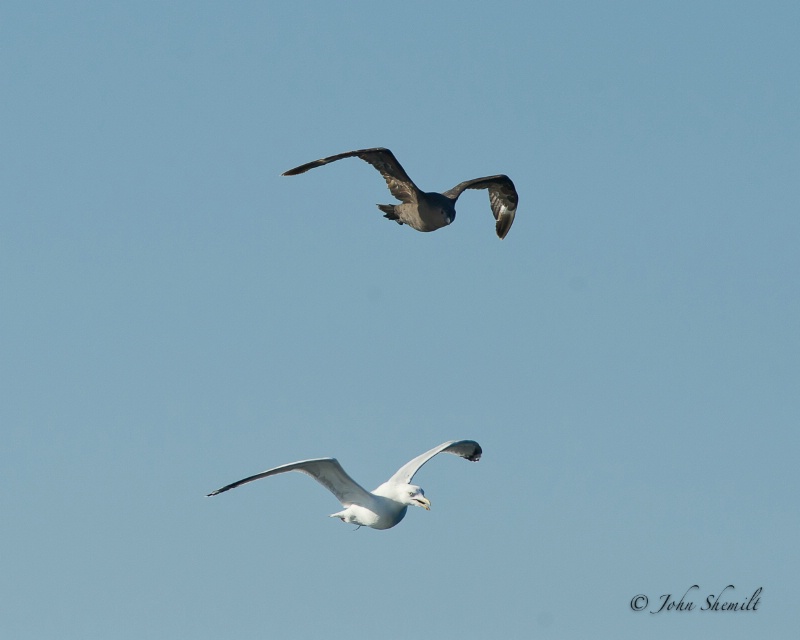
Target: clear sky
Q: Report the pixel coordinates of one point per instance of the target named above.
(175, 315)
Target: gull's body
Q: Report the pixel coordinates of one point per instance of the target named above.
(428, 211)
(382, 508)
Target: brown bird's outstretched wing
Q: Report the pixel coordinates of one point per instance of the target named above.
(502, 197)
(401, 186)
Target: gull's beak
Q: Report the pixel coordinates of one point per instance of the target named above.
(423, 502)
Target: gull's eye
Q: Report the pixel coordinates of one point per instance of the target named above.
(411, 493)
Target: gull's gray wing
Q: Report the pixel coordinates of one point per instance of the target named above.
(502, 196)
(401, 186)
(327, 471)
(468, 449)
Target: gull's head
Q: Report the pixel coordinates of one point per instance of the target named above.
(405, 494)
(414, 495)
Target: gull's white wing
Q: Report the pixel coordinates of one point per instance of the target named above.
(502, 197)
(327, 471)
(468, 449)
(401, 186)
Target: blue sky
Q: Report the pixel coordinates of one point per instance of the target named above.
(176, 315)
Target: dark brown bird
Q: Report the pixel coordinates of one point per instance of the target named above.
(428, 211)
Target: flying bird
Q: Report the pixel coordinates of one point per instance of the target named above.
(382, 508)
(428, 211)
